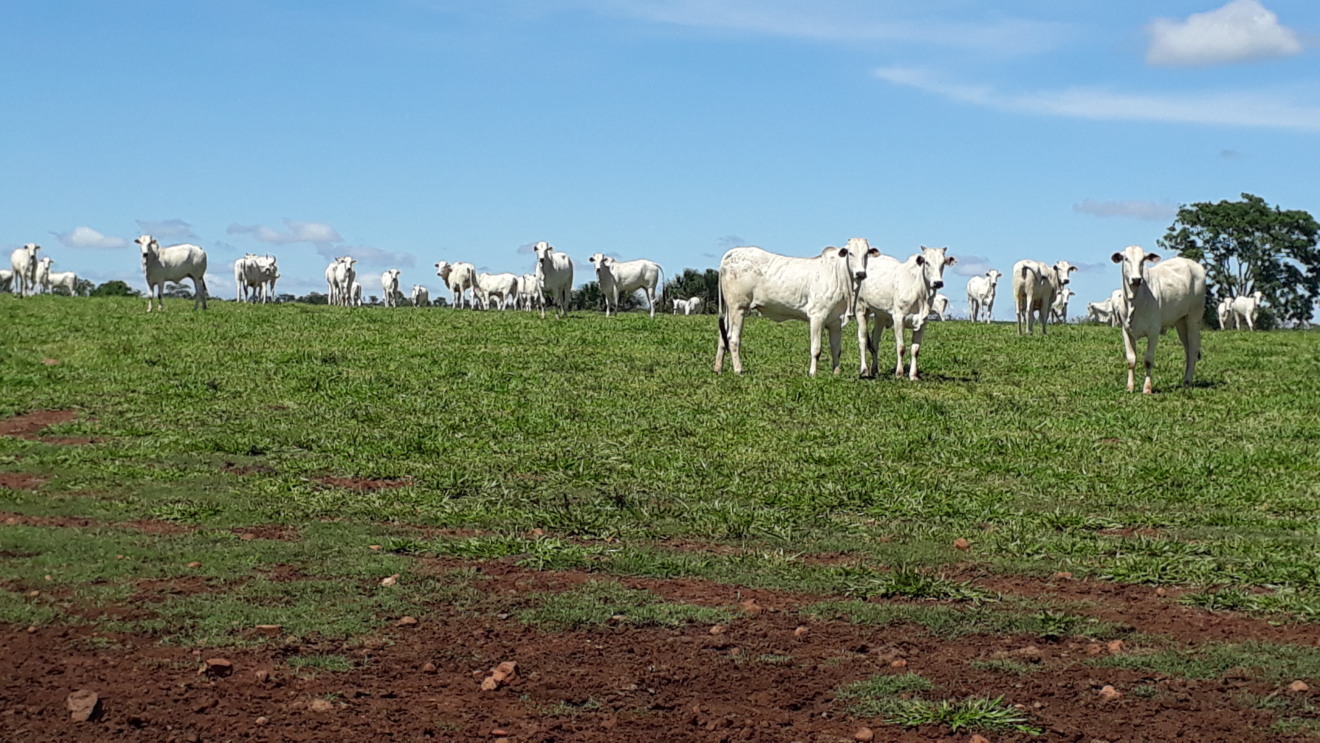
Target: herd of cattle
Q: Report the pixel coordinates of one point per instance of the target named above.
(853, 282)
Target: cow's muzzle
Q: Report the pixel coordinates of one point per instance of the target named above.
(938, 284)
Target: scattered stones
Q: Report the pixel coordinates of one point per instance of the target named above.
(801, 631)
(502, 674)
(83, 705)
(978, 738)
(268, 630)
(718, 629)
(390, 580)
(1115, 646)
(898, 663)
(499, 731)
(216, 668)
(1028, 654)
(864, 735)
(1298, 686)
(262, 720)
(406, 622)
(1161, 592)
(1109, 693)
(322, 705)
(194, 564)
(262, 675)
(32, 629)
(428, 668)
(34, 594)
(374, 547)
(751, 607)
(962, 544)
(1062, 575)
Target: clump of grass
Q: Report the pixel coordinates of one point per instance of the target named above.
(879, 696)
(319, 662)
(946, 620)
(1002, 665)
(1271, 661)
(974, 713)
(596, 603)
(910, 583)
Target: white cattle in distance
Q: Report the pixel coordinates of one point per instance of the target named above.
(554, 272)
(1224, 311)
(529, 292)
(175, 263)
(389, 287)
(621, 278)
(1035, 286)
(497, 289)
(63, 280)
(355, 295)
(981, 295)
(1244, 310)
(42, 277)
(24, 262)
(939, 305)
(689, 306)
(420, 296)
(6, 279)
(899, 294)
(1059, 310)
(1170, 294)
(255, 277)
(340, 276)
(819, 290)
(459, 277)
(1103, 311)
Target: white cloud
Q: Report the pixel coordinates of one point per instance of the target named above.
(1235, 108)
(1152, 210)
(1240, 31)
(368, 255)
(167, 229)
(971, 265)
(317, 233)
(86, 237)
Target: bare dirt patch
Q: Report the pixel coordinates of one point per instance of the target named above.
(21, 480)
(276, 532)
(30, 425)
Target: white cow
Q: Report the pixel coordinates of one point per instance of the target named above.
(6, 279)
(255, 277)
(355, 295)
(1244, 309)
(1059, 310)
(340, 276)
(497, 289)
(420, 296)
(939, 304)
(529, 292)
(459, 277)
(63, 280)
(621, 278)
(1035, 286)
(554, 273)
(24, 262)
(819, 290)
(1103, 311)
(981, 294)
(689, 306)
(175, 263)
(42, 278)
(899, 295)
(1224, 310)
(1169, 294)
(389, 287)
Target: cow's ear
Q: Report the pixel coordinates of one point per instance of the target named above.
(874, 252)
(1152, 257)
(950, 261)
(921, 260)
(843, 252)
(1072, 268)
(1116, 257)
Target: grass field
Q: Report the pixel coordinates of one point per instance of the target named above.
(609, 446)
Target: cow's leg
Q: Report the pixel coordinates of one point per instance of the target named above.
(835, 329)
(1130, 354)
(199, 289)
(860, 319)
(1189, 332)
(896, 321)
(1023, 314)
(733, 333)
(816, 327)
(1152, 341)
(917, 332)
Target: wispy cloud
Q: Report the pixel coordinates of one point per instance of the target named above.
(972, 265)
(1152, 210)
(86, 237)
(368, 255)
(1242, 30)
(845, 20)
(1234, 108)
(317, 233)
(167, 229)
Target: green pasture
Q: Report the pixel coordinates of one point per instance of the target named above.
(615, 439)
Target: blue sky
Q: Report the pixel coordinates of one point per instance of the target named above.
(408, 131)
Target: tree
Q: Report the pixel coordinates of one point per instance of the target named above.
(1248, 246)
(694, 283)
(115, 288)
(82, 287)
(314, 298)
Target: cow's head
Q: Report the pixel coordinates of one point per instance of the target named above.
(1062, 269)
(932, 262)
(857, 251)
(1133, 261)
(543, 251)
(993, 276)
(442, 269)
(601, 260)
(147, 243)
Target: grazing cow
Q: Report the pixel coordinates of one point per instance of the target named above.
(459, 277)
(6, 279)
(529, 292)
(819, 290)
(355, 295)
(175, 263)
(1224, 311)
(689, 306)
(1059, 310)
(1169, 294)
(1035, 287)
(621, 278)
(554, 274)
(24, 262)
(1244, 309)
(939, 304)
(899, 295)
(42, 278)
(389, 287)
(63, 280)
(255, 277)
(981, 294)
(339, 279)
(497, 287)
(420, 296)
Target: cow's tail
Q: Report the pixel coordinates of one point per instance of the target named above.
(660, 295)
(719, 309)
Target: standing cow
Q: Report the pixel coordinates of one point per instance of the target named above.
(554, 274)
(819, 290)
(389, 287)
(621, 278)
(981, 294)
(175, 263)
(24, 262)
(1170, 294)
(1242, 309)
(1035, 287)
(899, 295)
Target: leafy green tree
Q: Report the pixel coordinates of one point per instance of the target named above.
(314, 298)
(82, 287)
(1248, 246)
(115, 288)
(694, 283)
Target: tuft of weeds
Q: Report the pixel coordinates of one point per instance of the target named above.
(1271, 661)
(316, 663)
(975, 713)
(597, 603)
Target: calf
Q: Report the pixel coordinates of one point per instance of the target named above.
(175, 263)
(554, 274)
(1169, 294)
(981, 294)
(819, 290)
(899, 295)
(1035, 286)
(621, 278)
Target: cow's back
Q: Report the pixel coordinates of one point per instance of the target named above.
(1179, 284)
(1033, 276)
(779, 287)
